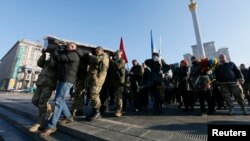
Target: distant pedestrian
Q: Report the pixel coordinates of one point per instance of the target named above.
(135, 75)
(245, 86)
(185, 86)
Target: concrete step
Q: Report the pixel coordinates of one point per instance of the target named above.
(1, 138)
(23, 123)
(128, 127)
(8, 132)
(98, 130)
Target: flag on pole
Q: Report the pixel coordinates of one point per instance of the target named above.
(160, 47)
(152, 43)
(124, 56)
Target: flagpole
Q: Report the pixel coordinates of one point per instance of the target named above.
(127, 66)
(160, 47)
(152, 43)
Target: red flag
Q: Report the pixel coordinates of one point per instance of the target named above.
(123, 51)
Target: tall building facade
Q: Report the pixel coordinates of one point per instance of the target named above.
(195, 50)
(187, 57)
(209, 49)
(18, 68)
(223, 51)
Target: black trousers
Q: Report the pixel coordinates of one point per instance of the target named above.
(208, 97)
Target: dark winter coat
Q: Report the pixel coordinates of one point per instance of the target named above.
(183, 78)
(68, 62)
(48, 75)
(227, 72)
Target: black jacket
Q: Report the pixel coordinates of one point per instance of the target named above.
(68, 62)
(157, 69)
(48, 75)
(244, 72)
(136, 74)
(183, 78)
(247, 80)
(195, 70)
(227, 72)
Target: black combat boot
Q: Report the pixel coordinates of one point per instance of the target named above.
(95, 115)
(243, 108)
(104, 110)
(77, 112)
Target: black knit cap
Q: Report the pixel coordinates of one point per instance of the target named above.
(193, 58)
(155, 54)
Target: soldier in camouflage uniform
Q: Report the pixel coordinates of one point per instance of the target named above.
(117, 65)
(98, 66)
(80, 87)
(46, 84)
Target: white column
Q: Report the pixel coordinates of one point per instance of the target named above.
(192, 8)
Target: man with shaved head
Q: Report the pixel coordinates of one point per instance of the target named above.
(230, 79)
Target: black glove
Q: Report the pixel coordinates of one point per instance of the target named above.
(43, 51)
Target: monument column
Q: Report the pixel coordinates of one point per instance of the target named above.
(192, 8)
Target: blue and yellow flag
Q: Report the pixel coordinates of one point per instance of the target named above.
(153, 49)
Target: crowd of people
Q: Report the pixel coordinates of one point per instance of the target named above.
(104, 80)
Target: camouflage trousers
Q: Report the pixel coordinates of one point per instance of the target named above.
(246, 89)
(78, 95)
(95, 96)
(232, 89)
(118, 97)
(95, 84)
(40, 100)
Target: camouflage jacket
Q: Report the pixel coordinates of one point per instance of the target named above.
(98, 64)
(117, 75)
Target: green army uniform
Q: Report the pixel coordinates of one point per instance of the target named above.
(46, 84)
(118, 82)
(97, 74)
(80, 86)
